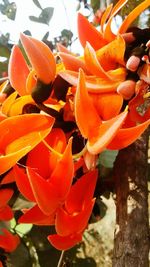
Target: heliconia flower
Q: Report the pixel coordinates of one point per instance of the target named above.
(6, 212)
(104, 69)
(98, 39)
(72, 218)
(50, 193)
(8, 241)
(19, 135)
(41, 160)
(22, 78)
(41, 58)
(98, 133)
(48, 188)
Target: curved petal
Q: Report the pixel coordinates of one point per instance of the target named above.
(6, 214)
(8, 241)
(126, 137)
(5, 196)
(41, 58)
(23, 183)
(18, 104)
(15, 127)
(92, 62)
(72, 62)
(44, 192)
(107, 105)
(18, 71)
(41, 159)
(108, 55)
(105, 16)
(8, 161)
(84, 189)
(64, 242)
(67, 224)
(93, 84)
(88, 33)
(107, 131)
(60, 178)
(83, 105)
(133, 15)
(36, 216)
(6, 106)
(108, 34)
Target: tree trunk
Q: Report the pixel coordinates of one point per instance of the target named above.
(131, 242)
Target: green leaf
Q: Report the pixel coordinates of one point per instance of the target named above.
(36, 2)
(107, 158)
(9, 10)
(23, 228)
(4, 51)
(44, 17)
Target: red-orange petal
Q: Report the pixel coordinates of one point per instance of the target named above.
(133, 15)
(126, 137)
(95, 84)
(64, 242)
(107, 131)
(84, 189)
(67, 224)
(88, 33)
(36, 216)
(18, 71)
(108, 34)
(6, 213)
(15, 127)
(107, 105)
(72, 62)
(5, 196)
(92, 62)
(44, 192)
(23, 183)
(84, 105)
(60, 178)
(41, 58)
(8, 241)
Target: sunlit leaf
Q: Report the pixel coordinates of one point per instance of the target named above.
(107, 158)
(23, 228)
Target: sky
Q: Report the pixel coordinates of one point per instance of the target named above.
(64, 17)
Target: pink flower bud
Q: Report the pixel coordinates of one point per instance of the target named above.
(126, 89)
(133, 63)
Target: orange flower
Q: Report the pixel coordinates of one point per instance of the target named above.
(102, 134)
(72, 218)
(19, 135)
(98, 39)
(8, 241)
(104, 68)
(42, 61)
(48, 188)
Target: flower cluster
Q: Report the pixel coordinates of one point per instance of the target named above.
(56, 118)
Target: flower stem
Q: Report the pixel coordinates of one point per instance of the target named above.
(60, 263)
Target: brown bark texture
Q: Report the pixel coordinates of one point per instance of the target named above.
(131, 241)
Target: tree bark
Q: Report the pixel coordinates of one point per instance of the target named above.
(131, 241)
